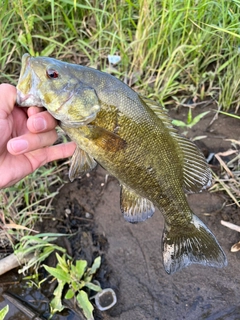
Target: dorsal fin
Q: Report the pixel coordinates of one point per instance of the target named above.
(161, 113)
(196, 173)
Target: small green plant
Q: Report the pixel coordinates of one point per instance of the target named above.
(190, 120)
(34, 249)
(77, 276)
(3, 312)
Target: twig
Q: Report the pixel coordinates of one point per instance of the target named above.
(230, 225)
(12, 261)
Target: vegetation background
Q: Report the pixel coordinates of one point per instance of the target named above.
(170, 49)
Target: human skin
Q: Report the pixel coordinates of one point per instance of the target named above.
(27, 137)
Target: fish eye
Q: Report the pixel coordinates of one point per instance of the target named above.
(52, 74)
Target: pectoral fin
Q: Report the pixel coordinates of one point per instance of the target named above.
(134, 207)
(81, 163)
(105, 139)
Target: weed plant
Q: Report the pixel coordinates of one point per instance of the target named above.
(176, 48)
(25, 203)
(228, 180)
(3, 312)
(78, 277)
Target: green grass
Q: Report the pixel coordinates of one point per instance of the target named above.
(177, 48)
(25, 203)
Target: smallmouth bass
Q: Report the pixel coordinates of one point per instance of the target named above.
(133, 139)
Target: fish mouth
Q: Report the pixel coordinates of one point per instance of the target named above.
(21, 97)
(27, 100)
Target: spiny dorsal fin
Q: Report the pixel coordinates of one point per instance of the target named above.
(161, 113)
(134, 207)
(196, 173)
(81, 163)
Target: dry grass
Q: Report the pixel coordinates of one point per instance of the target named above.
(229, 180)
(23, 204)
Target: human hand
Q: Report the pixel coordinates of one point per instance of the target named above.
(27, 135)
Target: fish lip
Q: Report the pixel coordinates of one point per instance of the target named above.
(25, 100)
(21, 97)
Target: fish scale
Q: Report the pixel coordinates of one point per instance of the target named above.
(133, 139)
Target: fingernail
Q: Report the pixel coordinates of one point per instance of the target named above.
(19, 146)
(39, 124)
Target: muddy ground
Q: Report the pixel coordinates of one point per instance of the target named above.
(131, 253)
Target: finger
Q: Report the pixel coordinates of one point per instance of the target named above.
(31, 161)
(41, 122)
(40, 157)
(34, 110)
(30, 141)
(8, 95)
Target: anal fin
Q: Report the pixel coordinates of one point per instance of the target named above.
(134, 207)
(81, 163)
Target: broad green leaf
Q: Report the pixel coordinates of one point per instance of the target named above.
(56, 303)
(3, 312)
(62, 263)
(85, 305)
(77, 285)
(93, 286)
(96, 265)
(48, 50)
(58, 274)
(80, 268)
(22, 39)
(87, 278)
(69, 294)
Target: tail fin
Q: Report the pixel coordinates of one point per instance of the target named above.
(193, 244)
